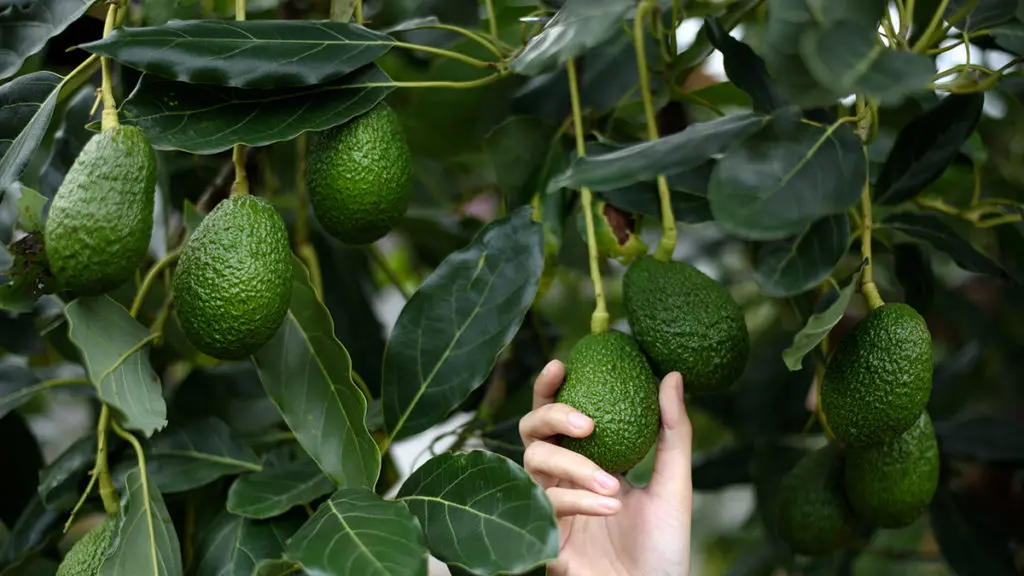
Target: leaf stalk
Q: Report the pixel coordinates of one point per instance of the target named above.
(151, 276)
(109, 119)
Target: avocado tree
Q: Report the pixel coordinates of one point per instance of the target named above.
(278, 277)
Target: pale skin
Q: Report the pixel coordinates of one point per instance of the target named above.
(607, 527)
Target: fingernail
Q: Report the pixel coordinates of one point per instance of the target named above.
(547, 368)
(605, 480)
(578, 421)
(609, 504)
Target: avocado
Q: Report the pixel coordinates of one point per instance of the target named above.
(687, 323)
(814, 514)
(879, 377)
(101, 218)
(233, 283)
(87, 555)
(890, 485)
(616, 232)
(360, 176)
(608, 379)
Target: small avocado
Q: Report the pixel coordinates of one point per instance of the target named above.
(687, 323)
(890, 485)
(616, 232)
(608, 379)
(101, 218)
(233, 283)
(879, 378)
(814, 515)
(86, 557)
(360, 176)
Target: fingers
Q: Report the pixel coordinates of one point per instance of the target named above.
(671, 478)
(570, 502)
(546, 387)
(552, 419)
(554, 465)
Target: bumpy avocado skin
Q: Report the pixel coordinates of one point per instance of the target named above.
(86, 556)
(814, 515)
(890, 485)
(687, 323)
(880, 377)
(609, 380)
(360, 176)
(233, 283)
(101, 218)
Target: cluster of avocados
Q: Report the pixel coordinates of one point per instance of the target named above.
(681, 321)
(884, 468)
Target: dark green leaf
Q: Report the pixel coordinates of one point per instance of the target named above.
(145, 543)
(517, 150)
(931, 229)
(35, 527)
(18, 385)
(982, 439)
(986, 13)
(68, 141)
(915, 275)
(308, 374)
(1010, 36)
(969, 540)
(274, 491)
(451, 331)
(356, 532)
(926, 146)
(30, 206)
(59, 482)
(668, 155)
(701, 47)
(483, 512)
(208, 119)
(26, 106)
(847, 58)
(119, 369)
(190, 455)
(789, 267)
(819, 325)
(785, 177)
(21, 460)
(24, 29)
(745, 68)
(577, 27)
(249, 54)
(234, 546)
(278, 568)
(229, 391)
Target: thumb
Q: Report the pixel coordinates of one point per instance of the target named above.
(671, 480)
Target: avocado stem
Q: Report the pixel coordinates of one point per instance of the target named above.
(241, 185)
(359, 12)
(107, 491)
(867, 278)
(599, 319)
(667, 245)
(108, 120)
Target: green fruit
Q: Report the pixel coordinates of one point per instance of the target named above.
(360, 176)
(101, 217)
(687, 323)
(615, 232)
(879, 378)
(890, 485)
(814, 515)
(608, 379)
(234, 281)
(87, 555)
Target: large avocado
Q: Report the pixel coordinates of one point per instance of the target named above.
(101, 218)
(87, 555)
(814, 514)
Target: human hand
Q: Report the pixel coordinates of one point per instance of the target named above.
(606, 526)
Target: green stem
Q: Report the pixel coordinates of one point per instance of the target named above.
(467, 33)
(447, 54)
(362, 386)
(151, 277)
(867, 279)
(241, 185)
(107, 491)
(491, 18)
(599, 320)
(388, 271)
(925, 41)
(359, 12)
(441, 83)
(109, 118)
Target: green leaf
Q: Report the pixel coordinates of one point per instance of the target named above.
(145, 543)
(971, 543)
(24, 29)
(926, 146)
(21, 460)
(452, 330)
(118, 367)
(577, 27)
(986, 13)
(517, 149)
(68, 141)
(248, 54)
(785, 177)
(26, 107)
(1010, 37)
(933, 230)
(229, 391)
(18, 385)
(356, 532)
(277, 568)
(235, 546)
(701, 47)
(273, 491)
(191, 455)
(819, 325)
(668, 155)
(59, 482)
(982, 439)
(789, 267)
(30, 206)
(205, 119)
(482, 512)
(308, 374)
(34, 528)
(745, 68)
(915, 275)
(847, 58)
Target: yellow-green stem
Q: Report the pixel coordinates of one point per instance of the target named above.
(241, 185)
(483, 41)
(108, 120)
(867, 278)
(107, 491)
(359, 12)
(492, 18)
(151, 277)
(143, 479)
(382, 262)
(361, 384)
(667, 245)
(599, 321)
(925, 42)
(447, 54)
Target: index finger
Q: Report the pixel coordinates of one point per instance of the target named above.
(545, 389)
